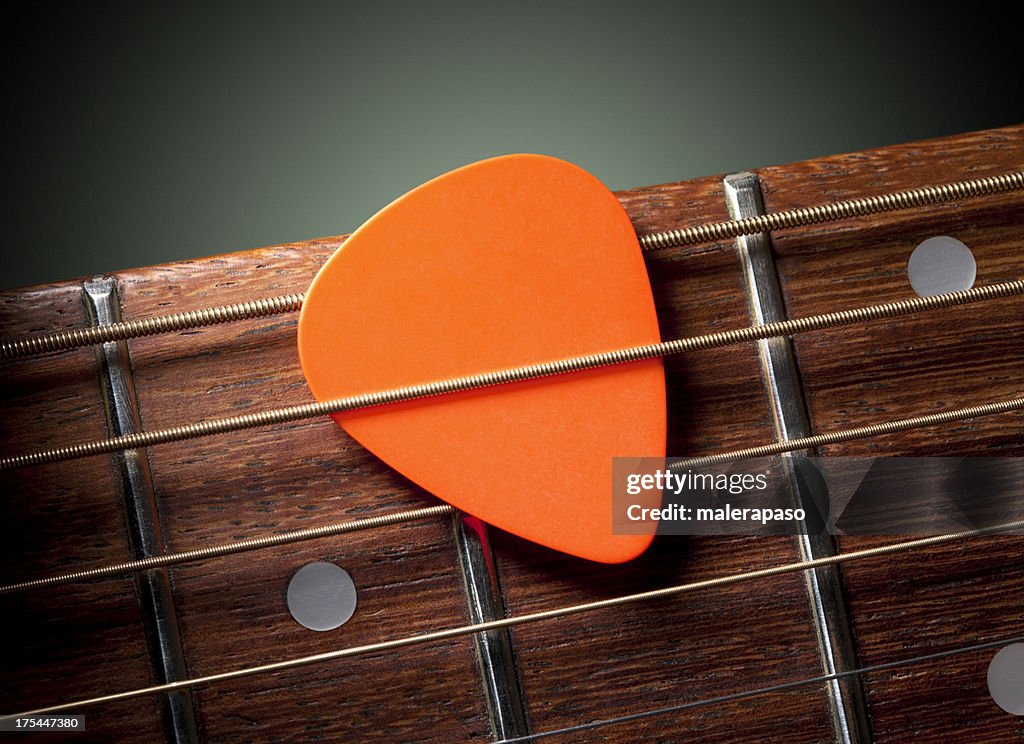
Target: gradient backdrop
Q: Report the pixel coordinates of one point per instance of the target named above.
(136, 135)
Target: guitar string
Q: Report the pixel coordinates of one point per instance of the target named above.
(216, 551)
(287, 414)
(296, 300)
(696, 234)
(908, 546)
(766, 690)
(384, 520)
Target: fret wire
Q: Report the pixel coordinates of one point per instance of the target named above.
(676, 238)
(559, 612)
(356, 525)
(287, 414)
(767, 690)
(690, 236)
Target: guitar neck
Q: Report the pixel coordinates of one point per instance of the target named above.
(87, 639)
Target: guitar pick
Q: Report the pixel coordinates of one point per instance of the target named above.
(505, 262)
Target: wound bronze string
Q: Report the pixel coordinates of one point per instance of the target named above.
(654, 241)
(835, 211)
(694, 235)
(124, 330)
(508, 622)
(515, 374)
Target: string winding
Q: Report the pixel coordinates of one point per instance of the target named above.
(515, 374)
(841, 210)
(936, 194)
(705, 233)
(124, 330)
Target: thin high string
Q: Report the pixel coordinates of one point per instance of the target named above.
(384, 520)
(767, 690)
(565, 611)
(696, 234)
(240, 546)
(515, 374)
(809, 217)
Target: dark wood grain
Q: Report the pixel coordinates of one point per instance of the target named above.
(942, 598)
(212, 491)
(79, 640)
(86, 639)
(654, 655)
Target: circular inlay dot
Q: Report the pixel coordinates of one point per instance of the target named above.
(939, 265)
(321, 596)
(1006, 679)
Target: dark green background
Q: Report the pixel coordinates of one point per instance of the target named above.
(136, 135)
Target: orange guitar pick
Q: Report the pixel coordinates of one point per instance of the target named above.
(502, 263)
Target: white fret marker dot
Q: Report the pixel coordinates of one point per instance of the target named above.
(321, 596)
(1006, 679)
(939, 265)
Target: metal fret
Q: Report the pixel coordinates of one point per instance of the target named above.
(103, 307)
(485, 626)
(789, 414)
(494, 650)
